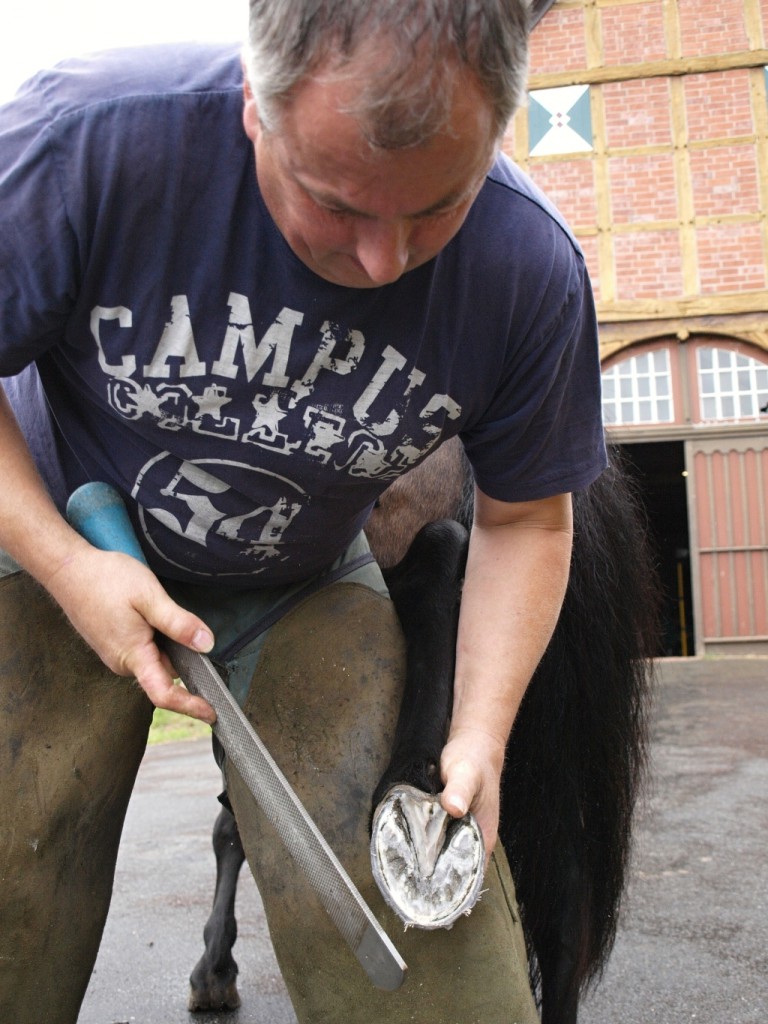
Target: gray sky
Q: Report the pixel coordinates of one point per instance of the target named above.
(40, 32)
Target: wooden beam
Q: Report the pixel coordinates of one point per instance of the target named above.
(760, 121)
(753, 20)
(751, 329)
(672, 68)
(702, 305)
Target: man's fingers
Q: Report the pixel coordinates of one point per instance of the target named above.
(154, 670)
(156, 679)
(471, 783)
(173, 621)
(461, 785)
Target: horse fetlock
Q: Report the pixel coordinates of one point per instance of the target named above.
(418, 770)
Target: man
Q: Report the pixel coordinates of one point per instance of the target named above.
(250, 334)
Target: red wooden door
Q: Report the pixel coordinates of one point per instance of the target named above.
(728, 485)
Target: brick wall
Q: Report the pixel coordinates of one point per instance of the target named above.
(634, 33)
(642, 188)
(570, 184)
(730, 258)
(638, 113)
(712, 26)
(648, 265)
(559, 42)
(718, 105)
(670, 202)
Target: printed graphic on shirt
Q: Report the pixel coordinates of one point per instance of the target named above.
(201, 505)
(322, 420)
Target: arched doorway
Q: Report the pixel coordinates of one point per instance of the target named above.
(692, 417)
(659, 468)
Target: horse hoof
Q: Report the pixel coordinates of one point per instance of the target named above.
(428, 865)
(214, 995)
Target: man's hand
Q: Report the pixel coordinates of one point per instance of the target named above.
(112, 600)
(116, 604)
(470, 766)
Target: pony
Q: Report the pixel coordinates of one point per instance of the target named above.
(577, 756)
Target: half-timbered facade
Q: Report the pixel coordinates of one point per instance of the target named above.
(647, 124)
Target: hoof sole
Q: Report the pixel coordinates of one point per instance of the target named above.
(428, 865)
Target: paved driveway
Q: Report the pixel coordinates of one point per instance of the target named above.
(693, 941)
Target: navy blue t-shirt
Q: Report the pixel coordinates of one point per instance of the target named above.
(177, 348)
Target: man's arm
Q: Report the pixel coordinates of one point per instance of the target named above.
(113, 601)
(517, 573)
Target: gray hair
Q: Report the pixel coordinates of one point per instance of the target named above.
(399, 105)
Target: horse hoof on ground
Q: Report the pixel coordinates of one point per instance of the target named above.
(213, 993)
(428, 865)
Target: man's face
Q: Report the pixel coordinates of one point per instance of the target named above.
(360, 217)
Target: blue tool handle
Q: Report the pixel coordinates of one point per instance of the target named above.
(98, 513)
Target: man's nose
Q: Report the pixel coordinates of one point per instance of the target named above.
(382, 249)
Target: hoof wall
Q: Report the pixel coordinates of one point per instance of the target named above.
(428, 865)
(214, 997)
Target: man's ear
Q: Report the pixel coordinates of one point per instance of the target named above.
(251, 122)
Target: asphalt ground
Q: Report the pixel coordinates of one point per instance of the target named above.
(693, 938)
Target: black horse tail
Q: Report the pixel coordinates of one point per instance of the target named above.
(576, 758)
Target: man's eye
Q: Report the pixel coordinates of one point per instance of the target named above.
(449, 211)
(335, 211)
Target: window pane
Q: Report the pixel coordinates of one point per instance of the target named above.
(735, 390)
(638, 390)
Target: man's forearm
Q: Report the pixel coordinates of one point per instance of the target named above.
(517, 573)
(31, 528)
(516, 578)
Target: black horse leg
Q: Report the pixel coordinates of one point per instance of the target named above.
(426, 589)
(213, 982)
(561, 956)
(559, 995)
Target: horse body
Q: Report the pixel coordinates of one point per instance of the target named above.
(576, 755)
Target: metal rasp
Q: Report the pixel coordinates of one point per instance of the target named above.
(97, 512)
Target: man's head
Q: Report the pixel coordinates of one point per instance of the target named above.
(375, 121)
(425, 43)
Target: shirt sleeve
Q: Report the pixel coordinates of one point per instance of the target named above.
(38, 252)
(542, 434)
